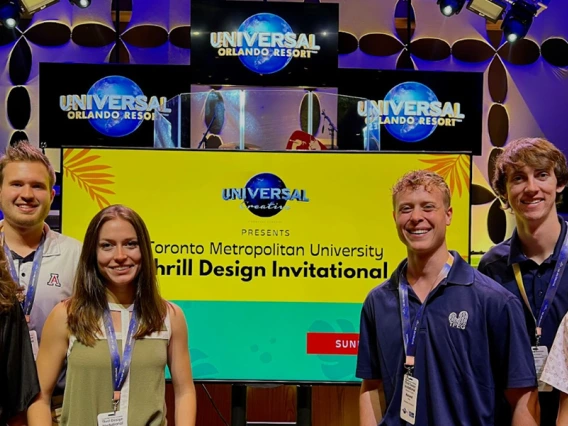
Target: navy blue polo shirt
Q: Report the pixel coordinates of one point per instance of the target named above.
(463, 368)
(497, 264)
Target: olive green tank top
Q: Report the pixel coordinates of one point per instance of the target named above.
(89, 388)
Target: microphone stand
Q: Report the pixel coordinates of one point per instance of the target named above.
(204, 138)
(332, 129)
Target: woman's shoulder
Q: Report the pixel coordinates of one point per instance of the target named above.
(59, 313)
(173, 309)
(176, 317)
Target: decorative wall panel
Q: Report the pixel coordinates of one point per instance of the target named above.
(526, 83)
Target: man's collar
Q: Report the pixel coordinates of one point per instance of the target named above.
(516, 254)
(51, 247)
(28, 258)
(461, 272)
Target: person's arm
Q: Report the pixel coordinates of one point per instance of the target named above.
(50, 359)
(524, 406)
(513, 363)
(180, 369)
(563, 410)
(371, 403)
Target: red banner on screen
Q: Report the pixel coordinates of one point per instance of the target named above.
(332, 343)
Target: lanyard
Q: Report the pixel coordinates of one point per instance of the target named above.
(119, 369)
(550, 291)
(28, 302)
(409, 332)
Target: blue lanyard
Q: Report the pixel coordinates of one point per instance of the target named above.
(28, 302)
(409, 332)
(550, 291)
(119, 369)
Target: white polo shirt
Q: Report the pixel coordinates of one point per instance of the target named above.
(56, 275)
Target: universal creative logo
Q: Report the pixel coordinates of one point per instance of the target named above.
(265, 43)
(115, 106)
(410, 112)
(265, 195)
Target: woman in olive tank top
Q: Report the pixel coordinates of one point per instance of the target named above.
(117, 335)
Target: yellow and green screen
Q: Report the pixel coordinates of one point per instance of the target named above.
(269, 254)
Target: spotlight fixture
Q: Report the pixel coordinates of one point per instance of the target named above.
(9, 14)
(83, 4)
(488, 9)
(518, 20)
(32, 6)
(450, 7)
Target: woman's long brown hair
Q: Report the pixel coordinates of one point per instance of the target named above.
(8, 288)
(89, 300)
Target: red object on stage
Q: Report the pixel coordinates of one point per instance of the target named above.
(304, 141)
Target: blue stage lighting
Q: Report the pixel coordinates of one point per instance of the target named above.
(9, 14)
(518, 21)
(451, 7)
(83, 4)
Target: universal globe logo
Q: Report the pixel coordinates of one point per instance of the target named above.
(265, 195)
(265, 43)
(411, 112)
(115, 106)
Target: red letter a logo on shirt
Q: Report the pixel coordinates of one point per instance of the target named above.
(54, 280)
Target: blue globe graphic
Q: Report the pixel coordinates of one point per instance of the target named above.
(264, 207)
(404, 92)
(114, 126)
(265, 23)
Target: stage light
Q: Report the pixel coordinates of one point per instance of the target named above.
(518, 21)
(33, 6)
(9, 14)
(83, 4)
(488, 9)
(451, 7)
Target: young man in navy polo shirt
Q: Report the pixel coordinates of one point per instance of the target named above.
(440, 343)
(529, 177)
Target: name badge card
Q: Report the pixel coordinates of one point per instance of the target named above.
(35, 346)
(409, 399)
(540, 354)
(111, 419)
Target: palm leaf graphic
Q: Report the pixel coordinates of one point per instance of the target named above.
(455, 170)
(78, 165)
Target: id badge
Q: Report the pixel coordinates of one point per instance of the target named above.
(409, 399)
(540, 354)
(33, 339)
(111, 419)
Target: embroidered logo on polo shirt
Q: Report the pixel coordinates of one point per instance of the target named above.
(458, 321)
(54, 280)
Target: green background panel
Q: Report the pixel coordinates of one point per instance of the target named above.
(259, 341)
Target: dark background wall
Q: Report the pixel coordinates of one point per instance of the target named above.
(526, 83)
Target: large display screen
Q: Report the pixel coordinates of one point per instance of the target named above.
(415, 110)
(269, 254)
(107, 104)
(264, 43)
